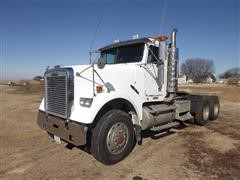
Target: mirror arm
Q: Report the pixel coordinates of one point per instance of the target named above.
(93, 74)
(79, 73)
(101, 80)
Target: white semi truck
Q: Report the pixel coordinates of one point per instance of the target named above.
(106, 105)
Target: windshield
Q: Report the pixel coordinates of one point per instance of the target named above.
(124, 54)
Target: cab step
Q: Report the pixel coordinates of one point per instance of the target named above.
(165, 126)
(185, 117)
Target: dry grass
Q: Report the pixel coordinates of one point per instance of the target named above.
(226, 93)
(231, 93)
(210, 161)
(23, 86)
(33, 88)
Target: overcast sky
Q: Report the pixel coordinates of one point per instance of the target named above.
(37, 34)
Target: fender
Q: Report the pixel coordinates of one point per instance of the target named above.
(88, 114)
(101, 102)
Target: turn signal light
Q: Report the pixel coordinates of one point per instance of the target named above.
(99, 89)
(163, 38)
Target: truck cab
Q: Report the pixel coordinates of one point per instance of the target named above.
(106, 105)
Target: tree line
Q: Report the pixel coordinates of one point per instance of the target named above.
(231, 73)
(199, 69)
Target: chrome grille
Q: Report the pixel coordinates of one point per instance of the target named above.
(59, 91)
(56, 95)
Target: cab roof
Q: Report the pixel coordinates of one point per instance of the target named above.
(124, 43)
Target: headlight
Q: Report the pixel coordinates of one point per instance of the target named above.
(86, 102)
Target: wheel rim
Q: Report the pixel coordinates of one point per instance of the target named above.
(117, 138)
(216, 109)
(206, 113)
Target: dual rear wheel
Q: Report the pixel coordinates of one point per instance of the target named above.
(207, 109)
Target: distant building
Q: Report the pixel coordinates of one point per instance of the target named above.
(209, 80)
(182, 79)
(189, 81)
(221, 81)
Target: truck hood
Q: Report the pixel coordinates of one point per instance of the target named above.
(83, 80)
(117, 77)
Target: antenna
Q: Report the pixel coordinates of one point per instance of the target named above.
(163, 16)
(93, 39)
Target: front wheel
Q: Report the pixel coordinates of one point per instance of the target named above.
(113, 137)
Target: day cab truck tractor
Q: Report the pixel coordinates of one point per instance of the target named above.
(131, 88)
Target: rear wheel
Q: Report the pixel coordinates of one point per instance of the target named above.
(214, 107)
(113, 137)
(202, 113)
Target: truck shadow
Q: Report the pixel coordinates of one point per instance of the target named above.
(163, 133)
(145, 134)
(156, 134)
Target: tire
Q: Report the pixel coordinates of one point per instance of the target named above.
(203, 110)
(113, 137)
(214, 107)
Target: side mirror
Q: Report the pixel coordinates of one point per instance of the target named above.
(101, 63)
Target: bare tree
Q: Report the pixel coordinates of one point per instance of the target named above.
(198, 69)
(231, 73)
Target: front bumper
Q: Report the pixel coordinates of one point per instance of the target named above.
(70, 131)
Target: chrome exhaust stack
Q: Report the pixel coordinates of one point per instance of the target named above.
(162, 56)
(172, 65)
(173, 37)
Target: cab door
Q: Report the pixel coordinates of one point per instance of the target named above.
(152, 86)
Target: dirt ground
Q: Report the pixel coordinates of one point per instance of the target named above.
(189, 152)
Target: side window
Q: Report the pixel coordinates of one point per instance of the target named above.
(153, 54)
(125, 54)
(109, 56)
(130, 53)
